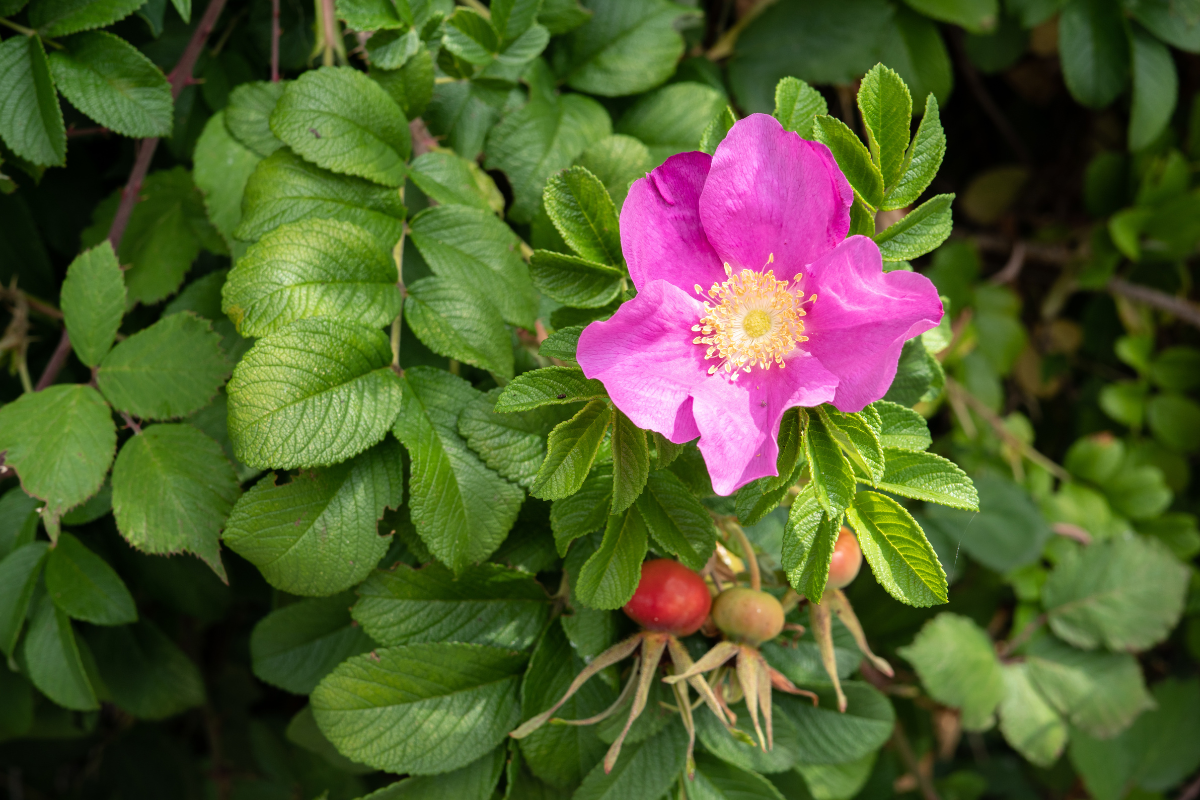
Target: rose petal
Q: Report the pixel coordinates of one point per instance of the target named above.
(862, 318)
(771, 192)
(661, 234)
(645, 358)
(739, 420)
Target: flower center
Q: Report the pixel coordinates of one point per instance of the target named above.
(755, 321)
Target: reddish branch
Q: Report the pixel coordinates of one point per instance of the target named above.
(274, 41)
(178, 78)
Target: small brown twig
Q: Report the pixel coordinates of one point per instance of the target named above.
(1185, 310)
(959, 393)
(1004, 648)
(1012, 269)
(905, 751)
(57, 359)
(1191, 791)
(274, 41)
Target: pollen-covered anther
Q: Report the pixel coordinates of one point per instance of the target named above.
(755, 321)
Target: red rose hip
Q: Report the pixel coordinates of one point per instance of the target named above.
(846, 561)
(669, 598)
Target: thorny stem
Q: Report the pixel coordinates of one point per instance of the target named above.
(56, 362)
(958, 392)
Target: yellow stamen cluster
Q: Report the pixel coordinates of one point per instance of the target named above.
(755, 321)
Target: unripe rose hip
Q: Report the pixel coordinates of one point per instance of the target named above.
(748, 615)
(669, 598)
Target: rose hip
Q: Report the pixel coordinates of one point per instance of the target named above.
(846, 561)
(748, 615)
(670, 598)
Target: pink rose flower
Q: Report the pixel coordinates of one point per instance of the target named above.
(751, 300)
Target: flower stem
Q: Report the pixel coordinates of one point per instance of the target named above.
(747, 553)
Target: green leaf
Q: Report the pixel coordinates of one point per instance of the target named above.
(673, 119)
(315, 393)
(16, 720)
(31, 122)
(562, 344)
(411, 86)
(462, 697)
(921, 161)
(562, 16)
(1123, 594)
(645, 769)
(145, 673)
(53, 662)
(928, 477)
(561, 755)
(956, 661)
(284, 188)
(295, 646)
(828, 737)
(571, 449)
(808, 542)
(314, 268)
(474, 248)
(339, 119)
(617, 161)
(172, 489)
(61, 17)
(548, 386)
(1100, 693)
(463, 112)
(919, 376)
(174, 367)
(165, 233)
(512, 444)
(832, 478)
(858, 438)
(921, 231)
(391, 49)
(807, 40)
(631, 461)
(894, 545)
(676, 520)
(573, 281)
(533, 143)
(1029, 724)
(303, 732)
(1175, 421)
(374, 15)
(622, 49)
(915, 48)
(903, 428)
(1007, 533)
(717, 780)
(452, 180)
(316, 535)
(458, 322)
(84, 586)
(476, 781)
(1155, 89)
(582, 211)
(796, 105)
(718, 741)
(585, 511)
(19, 573)
(486, 604)
(511, 18)
(977, 16)
(1093, 46)
(886, 107)
(108, 79)
(93, 302)
(461, 509)
(60, 441)
(852, 157)
(223, 165)
(184, 7)
(837, 780)
(19, 520)
(1166, 740)
(248, 115)
(610, 576)
(1165, 20)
